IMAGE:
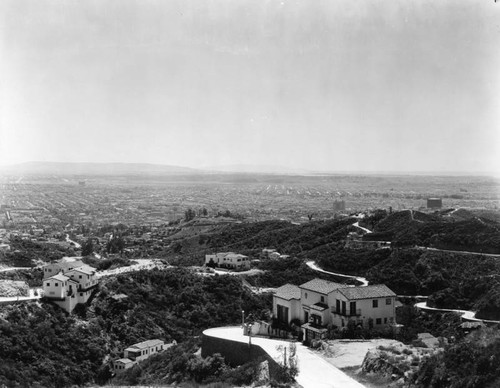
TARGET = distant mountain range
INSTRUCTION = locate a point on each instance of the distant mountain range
(86, 168)
(60, 168)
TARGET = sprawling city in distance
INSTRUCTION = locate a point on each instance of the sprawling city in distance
(250, 193)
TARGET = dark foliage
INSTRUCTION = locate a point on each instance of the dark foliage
(337, 258)
(409, 228)
(44, 347)
(24, 253)
(287, 238)
(473, 362)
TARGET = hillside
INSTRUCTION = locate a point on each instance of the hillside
(463, 231)
(41, 346)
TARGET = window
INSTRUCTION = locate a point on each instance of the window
(322, 299)
(337, 307)
(385, 320)
(374, 303)
(79, 276)
(378, 321)
(48, 284)
(56, 284)
(306, 295)
(352, 308)
(81, 294)
(282, 313)
(388, 301)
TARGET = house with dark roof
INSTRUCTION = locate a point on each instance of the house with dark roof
(320, 303)
(370, 306)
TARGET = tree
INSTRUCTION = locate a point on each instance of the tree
(115, 245)
(88, 247)
(189, 214)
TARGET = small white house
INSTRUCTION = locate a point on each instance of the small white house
(139, 352)
(143, 350)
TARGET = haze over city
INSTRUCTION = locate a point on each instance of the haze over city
(325, 86)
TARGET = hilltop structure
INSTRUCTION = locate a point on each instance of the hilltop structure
(434, 203)
(319, 303)
(68, 283)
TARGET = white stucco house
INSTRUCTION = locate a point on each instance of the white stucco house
(228, 260)
(139, 352)
(71, 285)
(319, 303)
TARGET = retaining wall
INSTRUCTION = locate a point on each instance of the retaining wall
(236, 353)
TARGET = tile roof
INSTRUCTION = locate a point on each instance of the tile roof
(60, 277)
(146, 344)
(67, 265)
(85, 269)
(234, 255)
(321, 286)
(287, 292)
(124, 360)
(368, 292)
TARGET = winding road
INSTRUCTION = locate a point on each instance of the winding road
(312, 265)
(464, 314)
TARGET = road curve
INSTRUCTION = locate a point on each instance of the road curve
(314, 371)
(312, 265)
(465, 314)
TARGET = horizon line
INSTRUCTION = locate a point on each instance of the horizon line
(277, 169)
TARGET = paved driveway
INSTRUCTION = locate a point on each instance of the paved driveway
(314, 371)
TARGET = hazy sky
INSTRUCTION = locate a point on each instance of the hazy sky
(390, 85)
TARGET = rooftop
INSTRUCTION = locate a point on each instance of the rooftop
(287, 292)
(321, 286)
(146, 344)
(85, 269)
(124, 360)
(368, 292)
(67, 265)
(60, 277)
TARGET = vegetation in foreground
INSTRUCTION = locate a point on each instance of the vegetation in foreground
(41, 346)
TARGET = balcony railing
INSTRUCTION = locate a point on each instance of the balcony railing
(347, 312)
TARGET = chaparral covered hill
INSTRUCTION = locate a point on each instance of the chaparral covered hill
(462, 230)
